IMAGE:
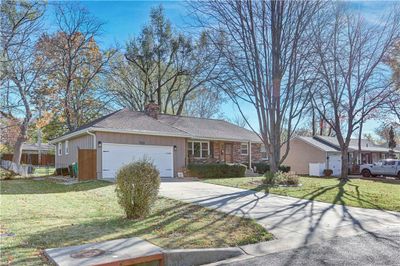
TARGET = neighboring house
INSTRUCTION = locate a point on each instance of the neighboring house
(170, 141)
(30, 154)
(325, 150)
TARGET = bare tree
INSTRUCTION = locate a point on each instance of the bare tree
(77, 64)
(393, 60)
(349, 79)
(203, 103)
(21, 21)
(239, 120)
(263, 46)
(125, 83)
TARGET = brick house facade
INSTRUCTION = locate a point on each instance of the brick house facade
(230, 152)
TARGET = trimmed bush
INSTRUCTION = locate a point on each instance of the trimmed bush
(284, 168)
(64, 171)
(281, 178)
(327, 172)
(137, 187)
(216, 170)
(71, 170)
(6, 174)
(262, 168)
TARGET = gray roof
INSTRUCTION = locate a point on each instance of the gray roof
(136, 121)
(35, 147)
(366, 145)
(386, 145)
(317, 144)
(209, 128)
(130, 121)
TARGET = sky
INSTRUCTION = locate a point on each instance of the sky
(125, 19)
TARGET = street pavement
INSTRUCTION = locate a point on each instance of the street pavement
(379, 248)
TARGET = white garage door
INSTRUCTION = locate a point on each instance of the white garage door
(335, 163)
(116, 155)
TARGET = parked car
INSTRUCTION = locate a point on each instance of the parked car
(388, 167)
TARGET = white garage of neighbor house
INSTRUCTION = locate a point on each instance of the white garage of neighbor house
(101, 147)
(311, 155)
(306, 151)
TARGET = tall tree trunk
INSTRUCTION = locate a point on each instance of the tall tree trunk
(314, 131)
(345, 165)
(275, 158)
(359, 142)
(20, 140)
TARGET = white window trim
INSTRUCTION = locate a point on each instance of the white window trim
(59, 149)
(201, 150)
(247, 149)
(66, 147)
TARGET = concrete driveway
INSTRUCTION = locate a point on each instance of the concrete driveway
(294, 222)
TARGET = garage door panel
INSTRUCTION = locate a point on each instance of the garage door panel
(335, 163)
(117, 155)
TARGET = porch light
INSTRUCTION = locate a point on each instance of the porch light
(175, 148)
(99, 144)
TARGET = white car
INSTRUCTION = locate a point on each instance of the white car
(388, 167)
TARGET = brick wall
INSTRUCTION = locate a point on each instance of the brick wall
(217, 155)
(256, 152)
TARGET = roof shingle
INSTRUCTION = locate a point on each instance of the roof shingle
(170, 125)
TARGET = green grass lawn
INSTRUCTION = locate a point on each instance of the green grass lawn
(44, 214)
(38, 172)
(357, 192)
(44, 171)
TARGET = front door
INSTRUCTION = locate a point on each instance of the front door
(228, 153)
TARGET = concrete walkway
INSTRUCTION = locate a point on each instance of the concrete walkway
(294, 222)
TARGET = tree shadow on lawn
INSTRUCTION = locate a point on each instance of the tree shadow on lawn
(182, 225)
(29, 186)
(379, 180)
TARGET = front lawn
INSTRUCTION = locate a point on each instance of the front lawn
(44, 171)
(44, 214)
(356, 193)
(39, 171)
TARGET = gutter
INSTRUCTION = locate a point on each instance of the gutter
(68, 136)
(94, 138)
(141, 132)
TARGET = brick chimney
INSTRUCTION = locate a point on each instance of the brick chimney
(152, 109)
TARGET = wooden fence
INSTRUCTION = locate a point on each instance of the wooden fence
(33, 159)
(86, 164)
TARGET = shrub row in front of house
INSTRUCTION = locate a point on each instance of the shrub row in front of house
(216, 170)
(262, 168)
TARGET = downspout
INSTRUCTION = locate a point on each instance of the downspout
(94, 138)
(250, 167)
(327, 161)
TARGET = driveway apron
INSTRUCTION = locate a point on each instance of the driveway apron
(294, 222)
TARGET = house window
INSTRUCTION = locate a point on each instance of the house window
(59, 149)
(264, 154)
(244, 148)
(199, 149)
(204, 149)
(66, 148)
